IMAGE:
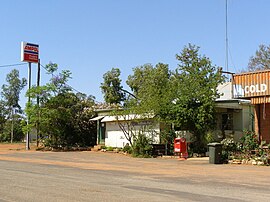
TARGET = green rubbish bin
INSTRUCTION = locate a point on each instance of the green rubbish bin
(215, 150)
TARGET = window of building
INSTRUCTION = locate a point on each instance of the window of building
(227, 121)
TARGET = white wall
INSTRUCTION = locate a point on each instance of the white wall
(114, 136)
(226, 90)
(241, 119)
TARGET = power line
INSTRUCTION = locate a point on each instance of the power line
(20, 64)
(13, 65)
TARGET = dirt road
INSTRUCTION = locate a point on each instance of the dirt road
(131, 178)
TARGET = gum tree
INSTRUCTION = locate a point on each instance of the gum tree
(63, 116)
(195, 89)
(11, 96)
(261, 59)
(152, 87)
(111, 87)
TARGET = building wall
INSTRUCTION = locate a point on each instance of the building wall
(114, 136)
(256, 87)
(241, 120)
(226, 91)
(264, 117)
(257, 119)
(248, 117)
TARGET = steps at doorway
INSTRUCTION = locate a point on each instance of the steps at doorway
(97, 147)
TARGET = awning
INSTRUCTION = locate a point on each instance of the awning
(128, 117)
(232, 103)
(97, 118)
(109, 119)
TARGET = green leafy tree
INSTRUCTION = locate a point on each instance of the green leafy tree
(111, 87)
(184, 97)
(152, 88)
(195, 81)
(11, 96)
(261, 59)
(85, 129)
(3, 115)
(63, 116)
(58, 83)
(66, 122)
(17, 129)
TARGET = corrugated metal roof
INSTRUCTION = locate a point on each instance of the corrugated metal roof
(126, 117)
(254, 72)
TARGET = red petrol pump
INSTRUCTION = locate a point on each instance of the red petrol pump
(180, 146)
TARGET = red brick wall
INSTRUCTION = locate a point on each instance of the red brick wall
(264, 122)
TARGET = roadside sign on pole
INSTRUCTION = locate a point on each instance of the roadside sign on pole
(29, 52)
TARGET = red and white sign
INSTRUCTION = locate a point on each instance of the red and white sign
(29, 52)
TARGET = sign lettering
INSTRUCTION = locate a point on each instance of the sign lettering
(29, 52)
(258, 88)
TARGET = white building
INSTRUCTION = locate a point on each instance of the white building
(120, 129)
(232, 117)
(114, 131)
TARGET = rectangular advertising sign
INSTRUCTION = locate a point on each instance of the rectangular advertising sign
(252, 84)
(29, 52)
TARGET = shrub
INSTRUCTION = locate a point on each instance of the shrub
(249, 141)
(228, 148)
(248, 148)
(167, 138)
(103, 147)
(209, 137)
(127, 149)
(142, 147)
(109, 149)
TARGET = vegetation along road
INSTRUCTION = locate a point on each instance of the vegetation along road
(97, 176)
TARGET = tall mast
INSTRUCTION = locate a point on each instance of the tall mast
(226, 35)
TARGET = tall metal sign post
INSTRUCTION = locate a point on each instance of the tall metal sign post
(30, 54)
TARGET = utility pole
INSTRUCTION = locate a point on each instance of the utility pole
(38, 122)
(29, 86)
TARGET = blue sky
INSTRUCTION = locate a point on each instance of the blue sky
(89, 37)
